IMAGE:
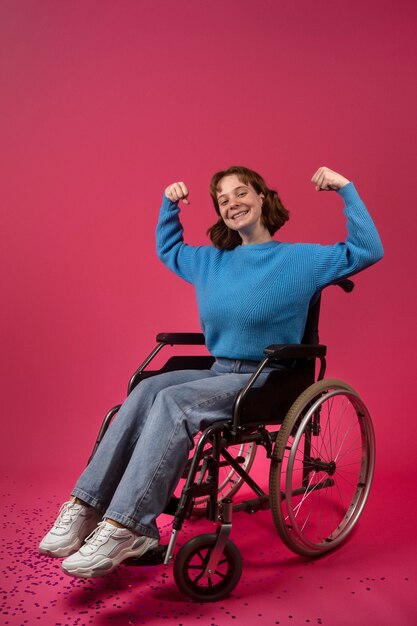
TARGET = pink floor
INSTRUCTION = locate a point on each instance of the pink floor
(370, 580)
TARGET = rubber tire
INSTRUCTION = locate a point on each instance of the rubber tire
(187, 585)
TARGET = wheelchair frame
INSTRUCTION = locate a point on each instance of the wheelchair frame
(322, 451)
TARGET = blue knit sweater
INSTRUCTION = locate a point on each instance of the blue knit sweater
(259, 294)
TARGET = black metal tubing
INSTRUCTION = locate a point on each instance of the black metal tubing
(190, 490)
(152, 355)
(239, 400)
(252, 505)
(166, 339)
(248, 480)
(104, 426)
(209, 488)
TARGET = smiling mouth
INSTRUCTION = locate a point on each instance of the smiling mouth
(240, 214)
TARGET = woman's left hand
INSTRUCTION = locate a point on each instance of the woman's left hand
(326, 179)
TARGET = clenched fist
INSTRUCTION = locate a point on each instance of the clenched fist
(326, 179)
(176, 192)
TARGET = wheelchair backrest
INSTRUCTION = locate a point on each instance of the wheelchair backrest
(311, 331)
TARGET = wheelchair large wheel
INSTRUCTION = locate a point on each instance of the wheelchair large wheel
(229, 480)
(191, 562)
(322, 468)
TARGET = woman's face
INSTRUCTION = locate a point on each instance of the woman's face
(241, 207)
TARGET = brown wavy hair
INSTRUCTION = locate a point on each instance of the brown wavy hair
(274, 214)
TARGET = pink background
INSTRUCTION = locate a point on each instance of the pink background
(103, 104)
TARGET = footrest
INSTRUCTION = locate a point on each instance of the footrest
(155, 556)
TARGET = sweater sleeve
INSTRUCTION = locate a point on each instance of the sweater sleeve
(361, 249)
(171, 249)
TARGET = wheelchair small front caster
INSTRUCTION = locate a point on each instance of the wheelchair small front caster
(190, 569)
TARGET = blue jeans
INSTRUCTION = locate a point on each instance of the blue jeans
(141, 458)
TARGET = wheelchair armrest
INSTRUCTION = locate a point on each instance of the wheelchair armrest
(181, 339)
(295, 351)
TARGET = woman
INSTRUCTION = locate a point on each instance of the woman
(252, 291)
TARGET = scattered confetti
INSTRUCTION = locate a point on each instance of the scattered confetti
(276, 587)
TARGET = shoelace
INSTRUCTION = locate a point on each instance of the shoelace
(99, 536)
(66, 514)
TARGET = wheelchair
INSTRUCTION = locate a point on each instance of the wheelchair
(317, 434)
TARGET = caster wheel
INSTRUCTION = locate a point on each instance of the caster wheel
(191, 562)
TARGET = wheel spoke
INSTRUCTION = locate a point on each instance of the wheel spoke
(199, 577)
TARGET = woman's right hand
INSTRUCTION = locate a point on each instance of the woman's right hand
(176, 192)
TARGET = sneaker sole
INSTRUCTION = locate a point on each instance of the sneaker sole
(61, 552)
(106, 565)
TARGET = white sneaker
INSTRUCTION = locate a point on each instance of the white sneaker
(105, 548)
(73, 524)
